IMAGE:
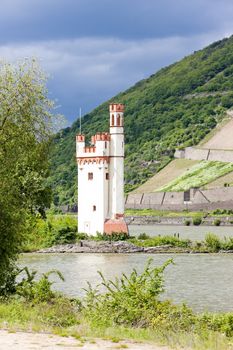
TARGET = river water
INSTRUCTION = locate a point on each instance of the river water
(203, 281)
(192, 232)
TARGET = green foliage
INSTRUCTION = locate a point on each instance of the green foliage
(212, 242)
(174, 108)
(56, 229)
(187, 222)
(198, 175)
(129, 300)
(218, 322)
(172, 241)
(143, 236)
(25, 131)
(56, 314)
(115, 236)
(37, 291)
(217, 222)
(197, 220)
(128, 307)
(222, 212)
(80, 236)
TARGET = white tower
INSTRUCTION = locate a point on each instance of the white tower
(101, 178)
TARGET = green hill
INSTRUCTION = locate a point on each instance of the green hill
(176, 107)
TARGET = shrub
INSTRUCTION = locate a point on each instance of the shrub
(81, 235)
(187, 222)
(115, 236)
(143, 236)
(197, 221)
(161, 241)
(129, 300)
(36, 291)
(228, 244)
(212, 242)
(217, 222)
(134, 301)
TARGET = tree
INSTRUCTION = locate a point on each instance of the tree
(25, 133)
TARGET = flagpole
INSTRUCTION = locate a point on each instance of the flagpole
(80, 119)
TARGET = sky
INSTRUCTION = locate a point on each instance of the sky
(93, 49)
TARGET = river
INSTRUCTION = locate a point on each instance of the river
(203, 281)
(192, 232)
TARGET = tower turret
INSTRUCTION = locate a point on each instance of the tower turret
(116, 171)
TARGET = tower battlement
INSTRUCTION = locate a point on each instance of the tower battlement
(116, 107)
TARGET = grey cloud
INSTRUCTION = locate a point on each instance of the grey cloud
(85, 72)
(22, 20)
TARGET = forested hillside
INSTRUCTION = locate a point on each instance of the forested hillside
(176, 107)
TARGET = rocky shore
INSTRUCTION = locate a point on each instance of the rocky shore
(88, 246)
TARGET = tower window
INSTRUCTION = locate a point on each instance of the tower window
(94, 207)
(112, 119)
(90, 176)
(105, 144)
(107, 176)
(118, 120)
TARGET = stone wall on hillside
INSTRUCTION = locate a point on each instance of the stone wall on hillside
(211, 199)
(194, 153)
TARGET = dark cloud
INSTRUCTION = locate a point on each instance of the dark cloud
(22, 20)
(94, 49)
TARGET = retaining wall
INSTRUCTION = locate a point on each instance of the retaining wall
(221, 198)
(194, 153)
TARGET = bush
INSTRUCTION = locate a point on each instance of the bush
(197, 221)
(228, 244)
(130, 300)
(217, 222)
(81, 235)
(143, 236)
(36, 291)
(115, 236)
(56, 229)
(161, 241)
(212, 242)
(187, 222)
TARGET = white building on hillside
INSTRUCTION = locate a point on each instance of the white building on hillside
(101, 178)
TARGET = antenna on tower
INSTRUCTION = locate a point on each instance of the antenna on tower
(80, 120)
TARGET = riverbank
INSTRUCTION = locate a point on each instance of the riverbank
(127, 313)
(149, 245)
(156, 217)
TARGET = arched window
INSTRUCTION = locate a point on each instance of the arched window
(118, 120)
(112, 120)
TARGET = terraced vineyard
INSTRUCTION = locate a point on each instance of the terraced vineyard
(198, 175)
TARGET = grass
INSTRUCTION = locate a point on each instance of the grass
(163, 213)
(225, 180)
(65, 317)
(169, 173)
(20, 316)
(161, 241)
(199, 175)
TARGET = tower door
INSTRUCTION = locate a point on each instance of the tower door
(87, 227)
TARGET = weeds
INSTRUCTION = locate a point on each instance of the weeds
(128, 307)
